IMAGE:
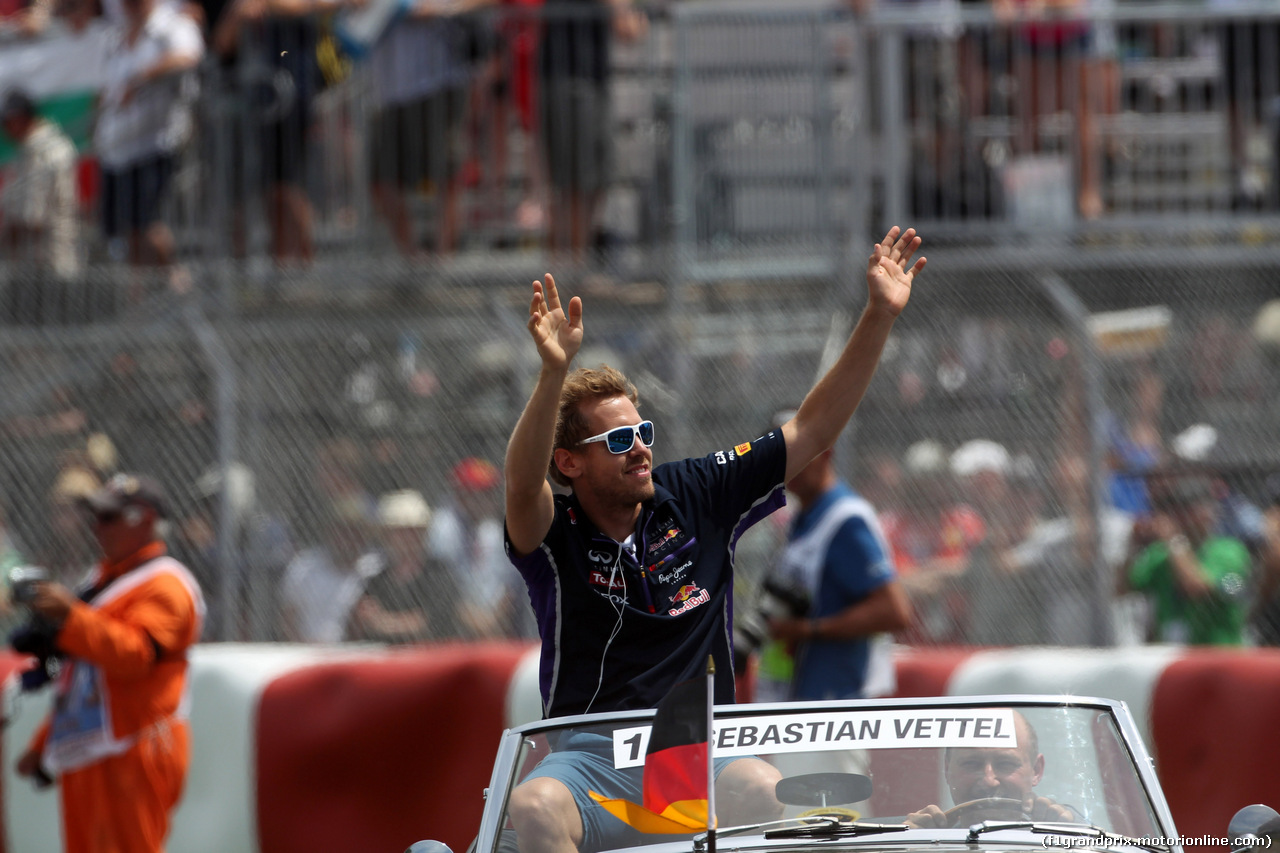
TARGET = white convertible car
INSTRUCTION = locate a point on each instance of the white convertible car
(970, 774)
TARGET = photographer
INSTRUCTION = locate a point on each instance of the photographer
(1197, 581)
(117, 740)
(836, 558)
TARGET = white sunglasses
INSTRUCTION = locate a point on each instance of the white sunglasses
(620, 439)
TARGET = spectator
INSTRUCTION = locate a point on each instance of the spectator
(576, 134)
(997, 604)
(420, 75)
(1136, 446)
(931, 541)
(1266, 609)
(260, 548)
(276, 40)
(338, 475)
(68, 549)
(117, 739)
(321, 584)
(26, 18)
(837, 559)
(143, 120)
(1247, 46)
(1069, 65)
(413, 598)
(466, 534)
(512, 84)
(1198, 448)
(39, 203)
(1055, 562)
(1197, 581)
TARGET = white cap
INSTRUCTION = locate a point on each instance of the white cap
(1266, 325)
(924, 457)
(974, 457)
(1195, 442)
(405, 508)
(238, 482)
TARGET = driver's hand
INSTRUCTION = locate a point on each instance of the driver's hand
(1043, 808)
(929, 817)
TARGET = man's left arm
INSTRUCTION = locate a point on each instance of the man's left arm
(831, 403)
(885, 609)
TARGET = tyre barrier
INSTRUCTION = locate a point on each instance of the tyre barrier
(351, 748)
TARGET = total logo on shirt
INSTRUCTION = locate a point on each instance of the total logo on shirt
(610, 580)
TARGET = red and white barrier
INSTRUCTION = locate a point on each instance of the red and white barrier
(303, 748)
(310, 748)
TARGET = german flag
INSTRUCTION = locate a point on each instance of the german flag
(677, 765)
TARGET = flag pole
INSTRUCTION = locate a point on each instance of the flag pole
(711, 766)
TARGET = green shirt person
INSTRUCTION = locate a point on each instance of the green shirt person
(1196, 581)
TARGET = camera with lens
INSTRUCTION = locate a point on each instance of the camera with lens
(778, 600)
(36, 637)
(23, 581)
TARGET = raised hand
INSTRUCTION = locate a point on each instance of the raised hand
(890, 271)
(557, 335)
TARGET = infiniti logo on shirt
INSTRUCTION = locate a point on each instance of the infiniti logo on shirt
(600, 557)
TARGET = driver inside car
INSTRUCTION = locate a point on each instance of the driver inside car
(994, 784)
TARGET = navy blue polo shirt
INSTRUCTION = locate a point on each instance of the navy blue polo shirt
(619, 630)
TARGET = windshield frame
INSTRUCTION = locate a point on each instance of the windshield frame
(511, 747)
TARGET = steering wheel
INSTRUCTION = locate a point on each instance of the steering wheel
(985, 808)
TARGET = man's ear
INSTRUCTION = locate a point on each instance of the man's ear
(1037, 770)
(568, 462)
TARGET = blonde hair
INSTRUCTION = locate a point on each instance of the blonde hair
(582, 386)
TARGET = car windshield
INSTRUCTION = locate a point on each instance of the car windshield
(864, 762)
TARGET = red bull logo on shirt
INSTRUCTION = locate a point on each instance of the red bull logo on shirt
(667, 537)
(687, 598)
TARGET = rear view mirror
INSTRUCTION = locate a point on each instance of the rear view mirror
(1253, 827)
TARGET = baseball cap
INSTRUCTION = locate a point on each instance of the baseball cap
(403, 508)
(924, 457)
(124, 490)
(1195, 443)
(474, 474)
(16, 103)
(979, 455)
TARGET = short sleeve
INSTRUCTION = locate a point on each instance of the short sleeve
(729, 483)
(856, 560)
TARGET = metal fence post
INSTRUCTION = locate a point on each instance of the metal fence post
(893, 124)
(225, 394)
(1074, 316)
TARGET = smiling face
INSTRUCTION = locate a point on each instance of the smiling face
(615, 480)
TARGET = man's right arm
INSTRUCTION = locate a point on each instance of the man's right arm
(530, 504)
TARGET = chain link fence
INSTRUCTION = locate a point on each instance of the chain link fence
(1015, 419)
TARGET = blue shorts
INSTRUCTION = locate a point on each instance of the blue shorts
(584, 762)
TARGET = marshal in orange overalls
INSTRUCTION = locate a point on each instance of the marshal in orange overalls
(118, 736)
